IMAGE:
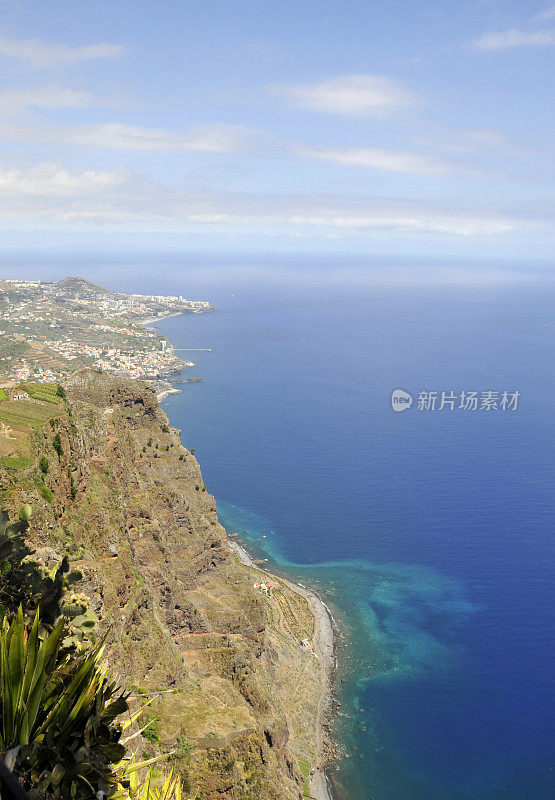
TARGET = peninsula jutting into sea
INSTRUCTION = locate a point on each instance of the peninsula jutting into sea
(233, 662)
(50, 329)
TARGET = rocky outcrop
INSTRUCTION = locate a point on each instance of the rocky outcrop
(240, 686)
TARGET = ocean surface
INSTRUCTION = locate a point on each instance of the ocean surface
(429, 533)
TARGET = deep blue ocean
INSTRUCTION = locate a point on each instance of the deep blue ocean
(429, 533)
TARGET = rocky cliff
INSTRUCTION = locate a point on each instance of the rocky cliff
(238, 686)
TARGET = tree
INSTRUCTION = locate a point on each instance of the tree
(57, 445)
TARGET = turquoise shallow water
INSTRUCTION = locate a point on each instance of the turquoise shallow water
(429, 535)
(383, 640)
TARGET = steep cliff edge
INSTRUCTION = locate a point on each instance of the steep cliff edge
(126, 502)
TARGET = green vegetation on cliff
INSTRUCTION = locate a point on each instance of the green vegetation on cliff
(60, 714)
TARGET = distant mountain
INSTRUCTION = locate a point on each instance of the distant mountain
(75, 286)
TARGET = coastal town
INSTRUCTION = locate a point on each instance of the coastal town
(50, 329)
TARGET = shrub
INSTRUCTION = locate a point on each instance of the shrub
(26, 582)
(47, 493)
(57, 445)
(44, 465)
(151, 734)
(184, 748)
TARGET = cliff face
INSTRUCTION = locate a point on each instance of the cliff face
(180, 611)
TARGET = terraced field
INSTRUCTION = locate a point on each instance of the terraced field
(17, 462)
(41, 391)
(26, 413)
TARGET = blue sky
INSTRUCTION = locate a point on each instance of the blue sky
(344, 127)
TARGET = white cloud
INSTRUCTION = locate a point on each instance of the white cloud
(44, 54)
(481, 145)
(202, 139)
(415, 222)
(377, 158)
(46, 97)
(483, 138)
(501, 40)
(549, 13)
(52, 180)
(222, 138)
(53, 195)
(206, 139)
(351, 95)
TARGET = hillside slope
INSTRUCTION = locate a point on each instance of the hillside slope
(127, 503)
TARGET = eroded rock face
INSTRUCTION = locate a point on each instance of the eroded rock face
(131, 510)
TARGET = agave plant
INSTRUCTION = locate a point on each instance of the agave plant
(57, 713)
(137, 782)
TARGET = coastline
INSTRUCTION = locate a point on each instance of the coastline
(148, 322)
(324, 646)
(151, 320)
(166, 392)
